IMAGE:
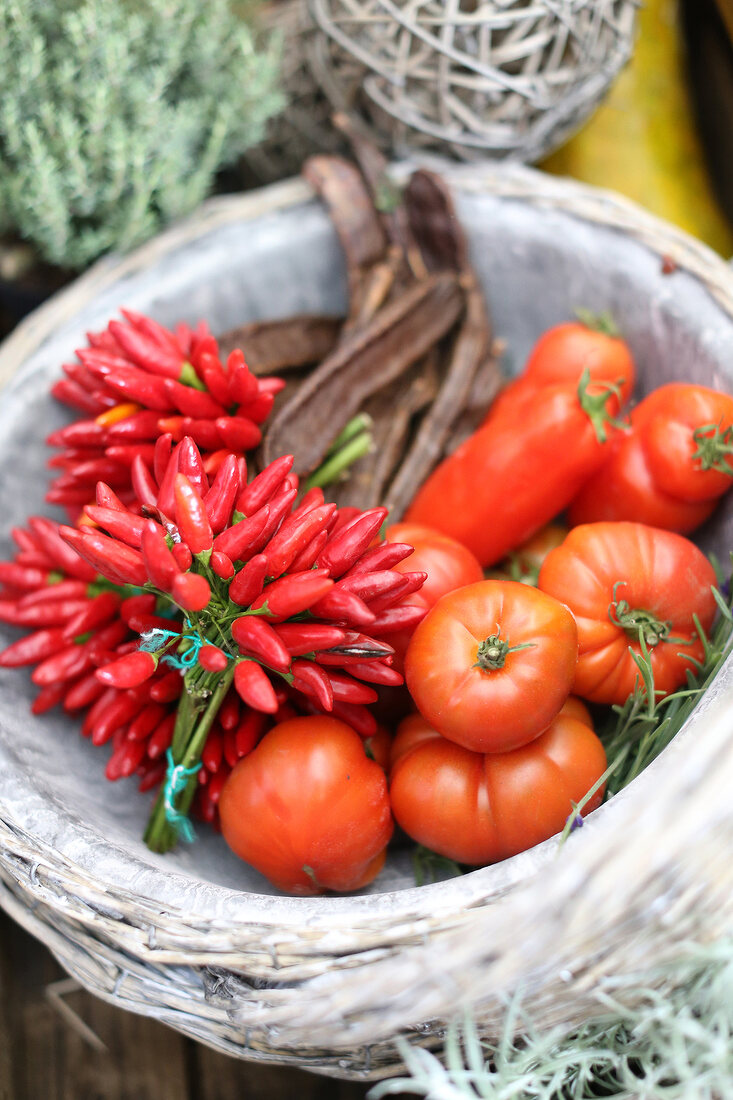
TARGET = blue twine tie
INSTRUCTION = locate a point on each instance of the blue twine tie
(156, 638)
(176, 780)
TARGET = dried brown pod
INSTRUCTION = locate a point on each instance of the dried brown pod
(275, 347)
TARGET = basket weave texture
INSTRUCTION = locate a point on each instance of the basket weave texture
(326, 983)
(505, 78)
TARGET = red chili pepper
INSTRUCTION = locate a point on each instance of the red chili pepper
(168, 688)
(99, 710)
(40, 615)
(192, 402)
(257, 639)
(308, 556)
(141, 624)
(294, 593)
(191, 464)
(343, 607)
(161, 737)
(124, 526)
(347, 690)
(376, 672)
(254, 687)
(65, 664)
(94, 470)
(402, 617)
(125, 760)
(145, 488)
(161, 566)
(71, 393)
(191, 591)
(370, 586)
(140, 427)
(212, 658)
(216, 785)
(145, 389)
(155, 332)
(238, 432)
(146, 353)
(219, 501)
(97, 613)
(82, 433)
(64, 557)
(312, 680)
(214, 379)
(212, 751)
(279, 506)
(229, 711)
(162, 456)
(113, 559)
(242, 383)
(143, 604)
(191, 519)
(145, 722)
(221, 565)
(300, 638)
(411, 582)
(264, 485)
(151, 777)
(213, 461)
(230, 748)
(238, 540)
(83, 693)
(296, 532)
(182, 555)
(48, 697)
(107, 639)
(347, 545)
(249, 731)
(126, 453)
(33, 648)
(69, 498)
(203, 432)
(166, 493)
(21, 576)
(259, 408)
(107, 498)
(129, 671)
(358, 717)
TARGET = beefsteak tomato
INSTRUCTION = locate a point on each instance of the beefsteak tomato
(308, 808)
(479, 808)
(622, 582)
(492, 663)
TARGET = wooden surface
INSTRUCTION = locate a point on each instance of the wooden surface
(43, 1056)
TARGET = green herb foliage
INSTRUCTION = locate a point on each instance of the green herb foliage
(665, 1034)
(116, 115)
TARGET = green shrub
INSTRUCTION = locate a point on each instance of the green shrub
(115, 115)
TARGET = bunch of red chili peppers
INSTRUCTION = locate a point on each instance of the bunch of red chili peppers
(190, 608)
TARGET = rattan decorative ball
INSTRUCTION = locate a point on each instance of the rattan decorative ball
(506, 78)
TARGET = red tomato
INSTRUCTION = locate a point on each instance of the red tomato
(622, 580)
(574, 707)
(660, 473)
(517, 472)
(378, 746)
(492, 663)
(562, 354)
(308, 808)
(447, 563)
(479, 808)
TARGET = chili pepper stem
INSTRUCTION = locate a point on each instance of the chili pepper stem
(337, 464)
(188, 742)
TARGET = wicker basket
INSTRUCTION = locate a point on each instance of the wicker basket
(197, 940)
(506, 78)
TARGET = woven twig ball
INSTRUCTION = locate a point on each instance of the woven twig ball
(507, 78)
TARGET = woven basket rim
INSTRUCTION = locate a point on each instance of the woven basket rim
(443, 899)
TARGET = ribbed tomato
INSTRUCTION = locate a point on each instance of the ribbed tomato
(492, 663)
(624, 581)
(480, 808)
(308, 808)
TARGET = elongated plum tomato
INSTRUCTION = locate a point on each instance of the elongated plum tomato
(447, 563)
(622, 582)
(308, 808)
(479, 808)
(492, 663)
